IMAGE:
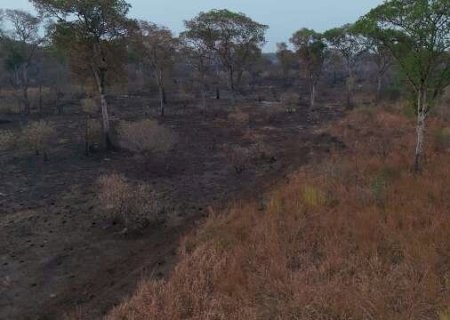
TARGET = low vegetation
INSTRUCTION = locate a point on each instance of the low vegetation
(8, 140)
(133, 205)
(37, 137)
(146, 137)
(357, 236)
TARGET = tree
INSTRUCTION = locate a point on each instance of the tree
(199, 57)
(234, 39)
(417, 33)
(22, 45)
(383, 61)
(311, 51)
(350, 45)
(93, 34)
(286, 58)
(157, 48)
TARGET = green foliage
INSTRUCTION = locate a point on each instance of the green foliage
(232, 38)
(417, 33)
(350, 44)
(91, 34)
(311, 51)
(286, 57)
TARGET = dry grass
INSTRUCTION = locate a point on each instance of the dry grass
(8, 140)
(239, 118)
(38, 136)
(146, 137)
(355, 237)
(290, 101)
(89, 105)
(239, 157)
(134, 205)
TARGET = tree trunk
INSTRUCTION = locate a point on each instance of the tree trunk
(161, 100)
(159, 79)
(379, 86)
(312, 92)
(231, 80)
(421, 117)
(350, 86)
(40, 99)
(217, 81)
(164, 95)
(203, 97)
(86, 137)
(26, 100)
(100, 79)
(106, 125)
(217, 93)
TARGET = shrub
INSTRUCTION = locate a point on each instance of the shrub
(38, 137)
(186, 99)
(239, 118)
(134, 205)
(8, 140)
(313, 197)
(146, 137)
(89, 105)
(441, 139)
(10, 105)
(290, 101)
(93, 134)
(238, 156)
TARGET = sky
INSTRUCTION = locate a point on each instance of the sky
(284, 17)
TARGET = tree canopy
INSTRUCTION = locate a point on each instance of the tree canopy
(417, 33)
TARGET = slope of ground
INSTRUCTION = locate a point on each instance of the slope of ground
(355, 236)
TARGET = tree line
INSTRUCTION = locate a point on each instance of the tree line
(96, 40)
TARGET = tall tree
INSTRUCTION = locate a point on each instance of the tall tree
(233, 37)
(286, 58)
(93, 34)
(311, 51)
(351, 46)
(199, 58)
(417, 33)
(383, 60)
(157, 48)
(22, 45)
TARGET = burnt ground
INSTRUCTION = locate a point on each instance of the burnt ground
(59, 254)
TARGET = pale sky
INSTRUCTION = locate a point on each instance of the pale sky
(284, 17)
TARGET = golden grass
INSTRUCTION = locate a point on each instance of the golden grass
(358, 236)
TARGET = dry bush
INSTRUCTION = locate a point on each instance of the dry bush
(10, 105)
(305, 257)
(186, 99)
(238, 156)
(242, 158)
(8, 140)
(290, 101)
(441, 139)
(146, 137)
(134, 205)
(89, 105)
(92, 135)
(239, 118)
(38, 136)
